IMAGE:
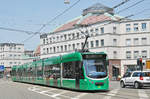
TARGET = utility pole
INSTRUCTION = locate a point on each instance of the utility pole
(85, 34)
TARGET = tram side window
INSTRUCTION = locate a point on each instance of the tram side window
(69, 70)
(47, 71)
(29, 71)
(13, 73)
(56, 71)
(52, 71)
(34, 72)
(39, 71)
(19, 72)
(24, 72)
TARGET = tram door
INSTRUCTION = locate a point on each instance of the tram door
(55, 80)
(77, 74)
(56, 74)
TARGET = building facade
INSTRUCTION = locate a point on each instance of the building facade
(13, 54)
(122, 39)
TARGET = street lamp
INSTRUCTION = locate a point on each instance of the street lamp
(86, 34)
(67, 1)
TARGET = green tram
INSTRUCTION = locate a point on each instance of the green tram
(79, 71)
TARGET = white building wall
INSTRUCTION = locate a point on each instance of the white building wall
(119, 49)
(11, 54)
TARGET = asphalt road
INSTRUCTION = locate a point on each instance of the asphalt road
(15, 90)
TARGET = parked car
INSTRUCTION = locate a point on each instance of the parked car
(137, 79)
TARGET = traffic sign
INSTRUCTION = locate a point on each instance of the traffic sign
(2, 67)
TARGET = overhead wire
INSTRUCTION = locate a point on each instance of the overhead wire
(52, 20)
(130, 6)
(116, 6)
(48, 23)
(17, 30)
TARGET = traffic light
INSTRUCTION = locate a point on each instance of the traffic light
(139, 63)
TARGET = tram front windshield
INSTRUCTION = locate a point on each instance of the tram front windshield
(95, 67)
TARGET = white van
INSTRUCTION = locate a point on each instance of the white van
(137, 79)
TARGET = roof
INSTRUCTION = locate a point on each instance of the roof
(95, 14)
(37, 51)
(97, 8)
(88, 19)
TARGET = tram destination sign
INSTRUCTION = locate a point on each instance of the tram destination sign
(90, 56)
(2, 67)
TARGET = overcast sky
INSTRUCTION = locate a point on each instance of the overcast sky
(29, 15)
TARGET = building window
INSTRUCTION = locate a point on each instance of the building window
(69, 47)
(82, 45)
(57, 48)
(43, 50)
(47, 50)
(50, 40)
(61, 38)
(57, 38)
(143, 26)
(50, 50)
(91, 30)
(136, 54)
(47, 41)
(10, 62)
(114, 30)
(102, 42)
(144, 41)
(136, 41)
(77, 35)
(43, 41)
(114, 42)
(127, 24)
(136, 27)
(144, 54)
(96, 30)
(69, 36)
(73, 46)
(128, 54)
(53, 39)
(128, 42)
(65, 47)
(65, 37)
(115, 54)
(102, 30)
(97, 43)
(92, 44)
(54, 49)
(78, 45)
(61, 48)
(128, 29)
(73, 36)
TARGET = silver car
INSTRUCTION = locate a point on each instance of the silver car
(137, 79)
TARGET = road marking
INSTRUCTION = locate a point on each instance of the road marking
(142, 94)
(55, 95)
(79, 96)
(45, 92)
(111, 93)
